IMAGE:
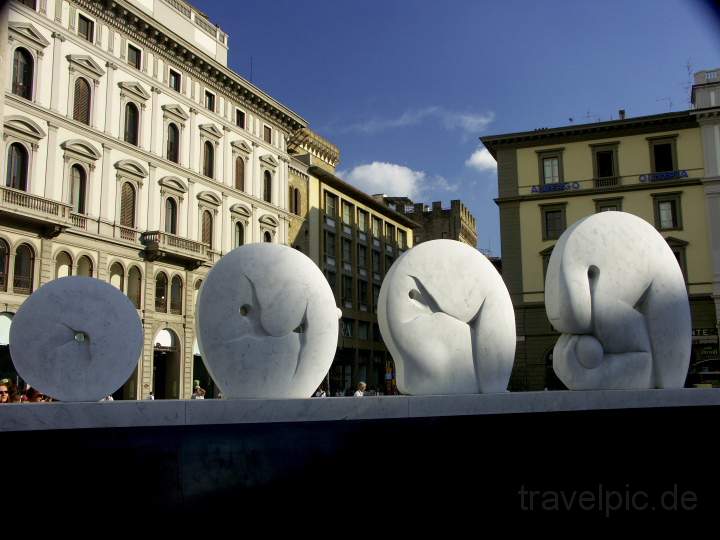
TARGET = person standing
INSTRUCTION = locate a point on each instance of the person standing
(360, 392)
(8, 393)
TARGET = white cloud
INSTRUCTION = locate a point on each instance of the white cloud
(388, 178)
(482, 160)
(469, 123)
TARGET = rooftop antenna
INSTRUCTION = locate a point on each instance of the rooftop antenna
(690, 80)
(669, 100)
(251, 69)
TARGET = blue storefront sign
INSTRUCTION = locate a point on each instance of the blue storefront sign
(669, 175)
(560, 186)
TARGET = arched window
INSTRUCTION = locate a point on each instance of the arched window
(81, 106)
(170, 216)
(267, 187)
(173, 143)
(4, 262)
(117, 276)
(78, 183)
(296, 201)
(207, 228)
(63, 265)
(208, 159)
(17, 171)
(267, 237)
(161, 285)
(132, 123)
(22, 80)
(24, 269)
(239, 234)
(176, 291)
(134, 286)
(239, 174)
(85, 266)
(127, 205)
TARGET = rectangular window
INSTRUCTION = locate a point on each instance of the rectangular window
(347, 290)
(605, 163)
(663, 157)
(376, 295)
(330, 244)
(388, 263)
(551, 171)
(174, 80)
(668, 211)
(606, 205)
(330, 204)
(134, 56)
(363, 330)
(210, 101)
(362, 220)
(267, 134)
(347, 213)
(362, 256)
(332, 279)
(347, 251)
(362, 292)
(239, 118)
(402, 239)
(86, 28)
(376, 261)
(346, 327)
(376, 227)
(390, 233)
(553, 221)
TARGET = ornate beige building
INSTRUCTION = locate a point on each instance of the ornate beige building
(131, 153)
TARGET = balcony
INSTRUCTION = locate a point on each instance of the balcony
(127, 234)
(52, 217)
(607, 182)
(162, 245)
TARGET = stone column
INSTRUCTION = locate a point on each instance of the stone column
(228, 165)
(107, 210)
(52, 146)
(192, 159)
(155, 136)
(224, 225)
(191, 230)
(109, 102)
(254, 172)
(153, 205)
(57, 65)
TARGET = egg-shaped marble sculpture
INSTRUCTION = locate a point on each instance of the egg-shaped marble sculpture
(266, 323)
(446, 317)
(76, 339)
(615, 291)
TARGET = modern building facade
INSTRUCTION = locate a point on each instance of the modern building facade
(131, 153)
(652, 166)
(354, 239)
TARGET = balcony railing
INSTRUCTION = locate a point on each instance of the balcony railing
(34, 208)
(160, 244)
(22, 284)
(610, 181)
(79, 221)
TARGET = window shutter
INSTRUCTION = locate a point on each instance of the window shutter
(127, 206)
(240, 174)
(207, 228)
(131, 124)
(81, 107)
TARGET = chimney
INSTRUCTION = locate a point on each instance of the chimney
(621, 114)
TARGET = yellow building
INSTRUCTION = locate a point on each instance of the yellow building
(354, 239)
(650, 166)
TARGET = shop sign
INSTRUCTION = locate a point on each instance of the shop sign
(669, 175)
(560, 186)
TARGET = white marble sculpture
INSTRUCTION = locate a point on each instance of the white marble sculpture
(266, 323)
(617, 294)
(446, 317)
(76, 339)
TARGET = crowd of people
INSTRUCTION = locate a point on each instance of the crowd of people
(9, 393)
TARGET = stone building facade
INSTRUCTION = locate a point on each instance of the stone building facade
(131, 153)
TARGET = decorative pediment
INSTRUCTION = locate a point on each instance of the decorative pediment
(86, 65)
(81, 149)
(209, 197)
(212, 130)
(176, 111)
(241, 210)
(134, 90)
(269, 220)
(241, 146)
(676, 242)
(174, 183)
(27, 34)
(269, 161)
(23, 126)
(132, 168)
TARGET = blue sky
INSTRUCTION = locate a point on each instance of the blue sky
(405, 88)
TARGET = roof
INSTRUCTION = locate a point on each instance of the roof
(360, 196)
(597, 130)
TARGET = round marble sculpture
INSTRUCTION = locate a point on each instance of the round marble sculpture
(76, 339)
(446, 317)
(617, 294)
(266, 323)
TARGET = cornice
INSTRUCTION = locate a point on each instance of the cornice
(125, 17)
